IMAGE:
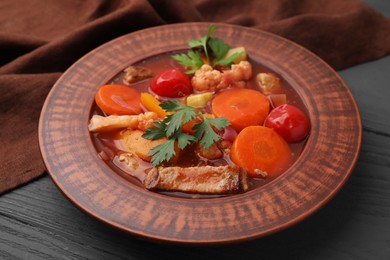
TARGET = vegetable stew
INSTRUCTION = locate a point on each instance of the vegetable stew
(207, 122)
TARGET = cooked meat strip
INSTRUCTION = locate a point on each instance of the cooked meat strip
(114, 122)
(225, 179)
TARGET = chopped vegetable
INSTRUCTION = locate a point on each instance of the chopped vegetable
(199, 100)
(288, 121)
(261, 148)
(118, 100)
(140, 146)
(229, 134)
(269, 83)
(188, 128)
(242, 55)
(171, 83)
(277, 99)
(152, 104)
(171, 128)
(242, 107)
(215, 50)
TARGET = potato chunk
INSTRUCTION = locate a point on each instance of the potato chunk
(269, 83)
(140, 146)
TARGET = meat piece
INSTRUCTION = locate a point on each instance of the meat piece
(115, 122)
(128, 161)
(212, 153)
(111, 123)
(137, 73)
(227, 179)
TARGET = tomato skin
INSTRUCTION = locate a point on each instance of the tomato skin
(171, 83)
(289, 122)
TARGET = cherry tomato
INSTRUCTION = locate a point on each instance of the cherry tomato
(171, 83)
(289, 122)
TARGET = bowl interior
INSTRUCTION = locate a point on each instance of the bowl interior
(323, 167)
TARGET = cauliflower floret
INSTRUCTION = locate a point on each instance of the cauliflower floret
(209, 79)
(206, 79)
(146, 120)
(241, 71)
(237, 75)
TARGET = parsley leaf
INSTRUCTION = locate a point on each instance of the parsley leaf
(218, 47)
(191, 60)
(202, 42)
(183, 115)
(206, 134)
(229, 60)
(185, 139)
(162, 152)
(155, 133)
(171, 128)
(215, 50)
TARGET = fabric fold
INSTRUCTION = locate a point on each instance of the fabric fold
(39, 40)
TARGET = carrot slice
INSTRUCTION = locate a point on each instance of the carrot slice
(260, 148)
(242, 107)
(118, 100)
(152, 104)
(187, 128)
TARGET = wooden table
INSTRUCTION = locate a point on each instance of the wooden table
(38, 222)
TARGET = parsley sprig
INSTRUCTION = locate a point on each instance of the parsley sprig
(171, 128)
(215, 46)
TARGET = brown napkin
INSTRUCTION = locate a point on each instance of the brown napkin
(40, 39)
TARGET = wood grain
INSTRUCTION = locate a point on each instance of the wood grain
(324, 166)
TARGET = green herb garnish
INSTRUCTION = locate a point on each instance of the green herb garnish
(171, 128)
(215, 46)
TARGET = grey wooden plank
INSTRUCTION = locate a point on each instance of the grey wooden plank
(369, 84)
(38, 220)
